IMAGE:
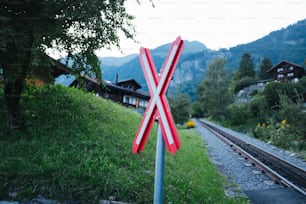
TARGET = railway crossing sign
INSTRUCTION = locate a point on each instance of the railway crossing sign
(158, 107)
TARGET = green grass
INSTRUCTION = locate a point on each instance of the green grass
(78, 146)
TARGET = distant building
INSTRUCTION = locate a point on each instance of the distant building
(47, 72)
(281, 72)
(124, 92)
(286, 71)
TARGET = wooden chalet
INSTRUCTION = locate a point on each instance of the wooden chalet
(286, 71)
(124, 92)
(48, 72)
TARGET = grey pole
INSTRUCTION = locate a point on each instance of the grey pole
(159, 168)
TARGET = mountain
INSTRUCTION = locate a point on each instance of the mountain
(285, 44)
(116, 61)
(132, 68)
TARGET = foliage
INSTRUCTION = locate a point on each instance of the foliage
(190, 124)
(196, 111)
(302, 83)
(294, 113)
(238, 114)
(74, 27)
(180, 107)
(243, 82)
(278, 133)
(246, 68)
(212, 92)
(258, 107)
(264, 66)
(244, 76)
(78, 147)
(70, 26)
(271, 92)
(287, 127)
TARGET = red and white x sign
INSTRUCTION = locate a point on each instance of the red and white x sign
(158, 107)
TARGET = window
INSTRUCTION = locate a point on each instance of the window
(291, 67)
(280, 69)
(280, 75)
(105, 95)
(290, 74)
(126, 99)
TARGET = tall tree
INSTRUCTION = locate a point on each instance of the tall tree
(246, 68)
(76, 27)
(180, 106)
(212, 92)
(265, 65)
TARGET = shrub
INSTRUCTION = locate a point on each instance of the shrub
(272, 92)
(190, 124)
(278, 133)
(243, 82)
(238, 114)
(196, 110)
(258, 107)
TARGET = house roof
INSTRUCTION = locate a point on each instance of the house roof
(284, 62)
(117, 87)
(129, 81)
(56, 67)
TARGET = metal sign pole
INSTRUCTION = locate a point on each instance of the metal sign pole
(159, 168)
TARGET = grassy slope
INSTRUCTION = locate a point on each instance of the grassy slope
(78, 146)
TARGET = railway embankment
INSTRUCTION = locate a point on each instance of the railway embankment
(244, 175)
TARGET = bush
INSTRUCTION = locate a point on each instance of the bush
(238, 114)
(196, 110)
(244, 82)
(180, 107)
(273, 89)
(293, 112)
(278, 133)
(190, 124)
(258, 107)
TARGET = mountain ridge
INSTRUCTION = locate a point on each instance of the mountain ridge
(288, 43)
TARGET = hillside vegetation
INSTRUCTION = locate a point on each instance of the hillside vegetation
(78, 147)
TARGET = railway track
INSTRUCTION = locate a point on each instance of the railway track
(280, 171)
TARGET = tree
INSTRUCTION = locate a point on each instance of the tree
(212, 92)
(196, 110)
(264, 67)
(243, 82)
(180, 107)
(273, 90)
(246, 67)
(244, 76)
(29, 27)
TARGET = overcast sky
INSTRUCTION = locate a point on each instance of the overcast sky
(215, 23)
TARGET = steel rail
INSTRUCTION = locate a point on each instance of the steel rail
(279, 170)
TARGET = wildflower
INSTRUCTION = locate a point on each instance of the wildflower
(284, 122)
(190, 124)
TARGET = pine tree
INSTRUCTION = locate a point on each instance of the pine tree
(246, 67)
(264, 67)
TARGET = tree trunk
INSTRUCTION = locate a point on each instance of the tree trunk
(15, 70)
